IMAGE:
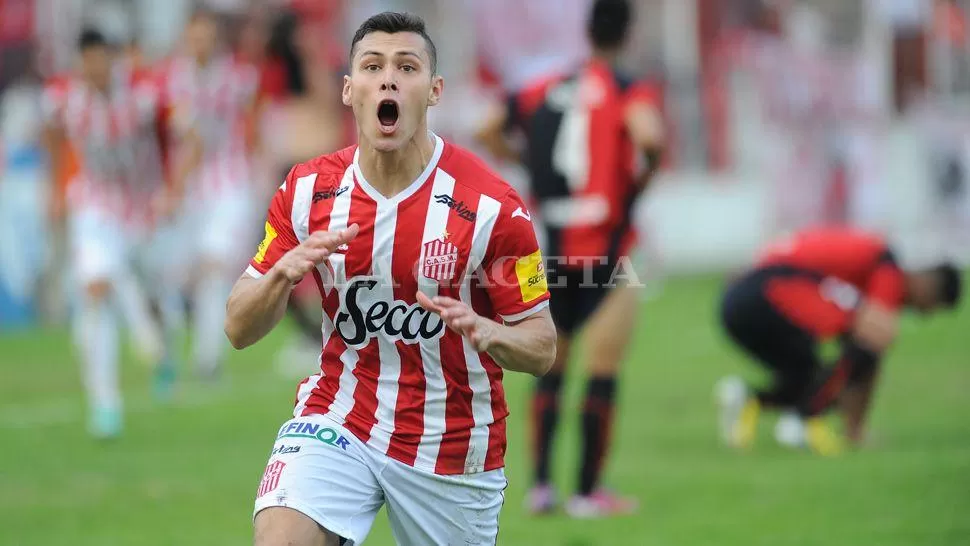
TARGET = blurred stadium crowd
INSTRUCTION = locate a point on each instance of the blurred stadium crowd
(806, 98)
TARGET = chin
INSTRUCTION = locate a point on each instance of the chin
(384, 144)
(390, 143)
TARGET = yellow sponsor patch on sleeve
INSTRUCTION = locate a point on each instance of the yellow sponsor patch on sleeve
(532, 276)
(264, 246)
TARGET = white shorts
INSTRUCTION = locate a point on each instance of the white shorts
(320, 469)
(101, 246)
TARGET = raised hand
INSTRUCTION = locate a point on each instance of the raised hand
(299, 261)
(461, 318)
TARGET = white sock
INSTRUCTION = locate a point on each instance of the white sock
(98, 340)
(134, 306)
(211, 293)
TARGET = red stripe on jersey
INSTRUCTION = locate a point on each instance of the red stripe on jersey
(323, 395)
(296, 397)
(605, 177)
(358, 261)
(409, 407)
(459, 419)
(495, 458)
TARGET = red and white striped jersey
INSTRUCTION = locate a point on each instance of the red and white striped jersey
(215, 100)
(390, 372)
(115, 139)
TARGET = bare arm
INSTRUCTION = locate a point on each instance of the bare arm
(856, 401)
(857, 397)
(256, 306)
(527, 346)
(646, 129)
(189, 163)
(55, 141)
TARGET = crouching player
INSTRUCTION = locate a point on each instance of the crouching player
(820, 285)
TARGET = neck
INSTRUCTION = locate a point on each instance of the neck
(202, 60)
(608, 56)
(101, 87)
(391, 172)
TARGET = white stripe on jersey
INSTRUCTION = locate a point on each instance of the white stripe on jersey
(302, 198)
(339, 216)
(488, 211)
(303, 393)
(435, 389)
(385, 227)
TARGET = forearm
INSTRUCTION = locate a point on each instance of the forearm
(255, 307)
(524, 348)
(186, 165)
(857, 398)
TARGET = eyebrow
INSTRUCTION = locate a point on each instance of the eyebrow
(405, 53)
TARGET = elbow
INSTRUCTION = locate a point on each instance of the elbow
(236, 336)
(548, 358)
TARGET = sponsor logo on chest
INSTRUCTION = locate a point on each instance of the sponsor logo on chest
(365, 315)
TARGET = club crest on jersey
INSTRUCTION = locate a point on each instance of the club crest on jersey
(364, 315)
(271, 478)
(439, 259)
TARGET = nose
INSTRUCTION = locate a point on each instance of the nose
(389, 84)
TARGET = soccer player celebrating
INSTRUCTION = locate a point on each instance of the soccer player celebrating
(212, 96)
(432, 285)
(107, 117)
(586, 133)
(819, 285)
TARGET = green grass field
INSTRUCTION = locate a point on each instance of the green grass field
(185, 473)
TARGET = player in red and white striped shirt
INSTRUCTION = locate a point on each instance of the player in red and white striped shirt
(107, 116)
(213, 94)
(432, 285)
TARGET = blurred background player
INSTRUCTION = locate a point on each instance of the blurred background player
(107, 117)
(303, 117)
(213, 95)
(819, 285)
(588, 134)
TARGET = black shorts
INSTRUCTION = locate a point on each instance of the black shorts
(787, 351)
(575, 294)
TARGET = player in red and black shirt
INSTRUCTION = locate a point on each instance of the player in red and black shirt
(593, 139)
(819, 285)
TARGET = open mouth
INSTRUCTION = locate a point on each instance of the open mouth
(387, 114)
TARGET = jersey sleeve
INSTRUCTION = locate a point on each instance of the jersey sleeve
(513, 266)
(643, 93)
(887, 283)
(279, 237)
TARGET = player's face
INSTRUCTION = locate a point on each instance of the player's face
(203, 36)
(390, 88)
(923, 290)
(96, 65)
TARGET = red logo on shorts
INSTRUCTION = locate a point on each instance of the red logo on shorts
(440, 259)
(271, 477)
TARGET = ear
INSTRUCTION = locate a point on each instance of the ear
(437, 87)
(345, 95)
